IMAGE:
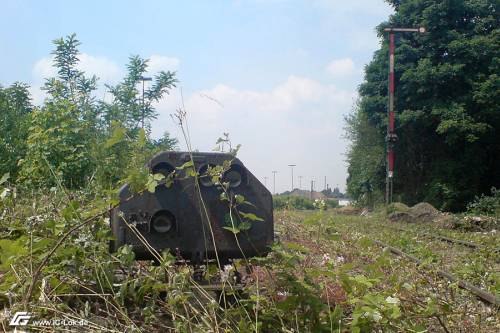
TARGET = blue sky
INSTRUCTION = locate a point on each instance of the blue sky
(283, 73)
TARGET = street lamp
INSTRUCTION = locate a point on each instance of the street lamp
(143, 79)
(391, 137)
(291, 166)
(274, 181)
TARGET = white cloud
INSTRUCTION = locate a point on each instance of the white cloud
(341, 67)
(298, 121)
(105, 69)
(43, 68)
(159, 63)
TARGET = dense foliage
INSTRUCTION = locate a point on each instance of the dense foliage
(15, 112)
(293, 202)
(74, 137)
(447, 116)
(324, 276)
(486, 204)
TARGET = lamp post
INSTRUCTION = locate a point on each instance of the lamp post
(291, 166)
(143, 79)
(391, 137)
(274, 181)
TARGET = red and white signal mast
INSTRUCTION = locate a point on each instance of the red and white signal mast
(391, 137)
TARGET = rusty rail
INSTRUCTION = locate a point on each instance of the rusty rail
(444, 238)
(482, 294)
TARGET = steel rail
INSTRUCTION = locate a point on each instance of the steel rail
(462, 242)
(482, 294)
(443, 238)
(440, 237)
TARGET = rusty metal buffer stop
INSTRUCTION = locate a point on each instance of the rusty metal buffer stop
(190, 226)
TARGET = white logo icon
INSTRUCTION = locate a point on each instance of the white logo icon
(20, 319)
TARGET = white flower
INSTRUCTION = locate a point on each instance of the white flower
(36, 219)
(392, 300)
(376, 316)
(5, 193)
(326, 259)
(224, 274)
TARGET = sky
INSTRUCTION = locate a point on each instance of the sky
(279, 76)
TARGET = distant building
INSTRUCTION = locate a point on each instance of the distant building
(306, 194)
(344, 202)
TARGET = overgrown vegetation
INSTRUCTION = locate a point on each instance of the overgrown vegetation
(73, 136)
(324, 276)
(63, 161)
(447, 117)
(301, 203)
(486, 204)
(292, 202)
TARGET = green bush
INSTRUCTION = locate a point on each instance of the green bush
(293, 202)
(486, 205)
(332, 203)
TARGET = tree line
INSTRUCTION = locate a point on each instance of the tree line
(447, 114)
(73, 139)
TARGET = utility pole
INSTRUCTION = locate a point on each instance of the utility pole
(391, 137)
(300, 182)
(143, 79)
(274, 181)
(291, 166)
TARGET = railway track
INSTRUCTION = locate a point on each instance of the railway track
(468, 244)
(438, 237)
(482, 294)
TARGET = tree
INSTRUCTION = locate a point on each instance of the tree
(166, 142)
(58, 147)
(446, 101)
(62, 131)
(129, 106)
(122, 120)
(15, 109)
(73, 138)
